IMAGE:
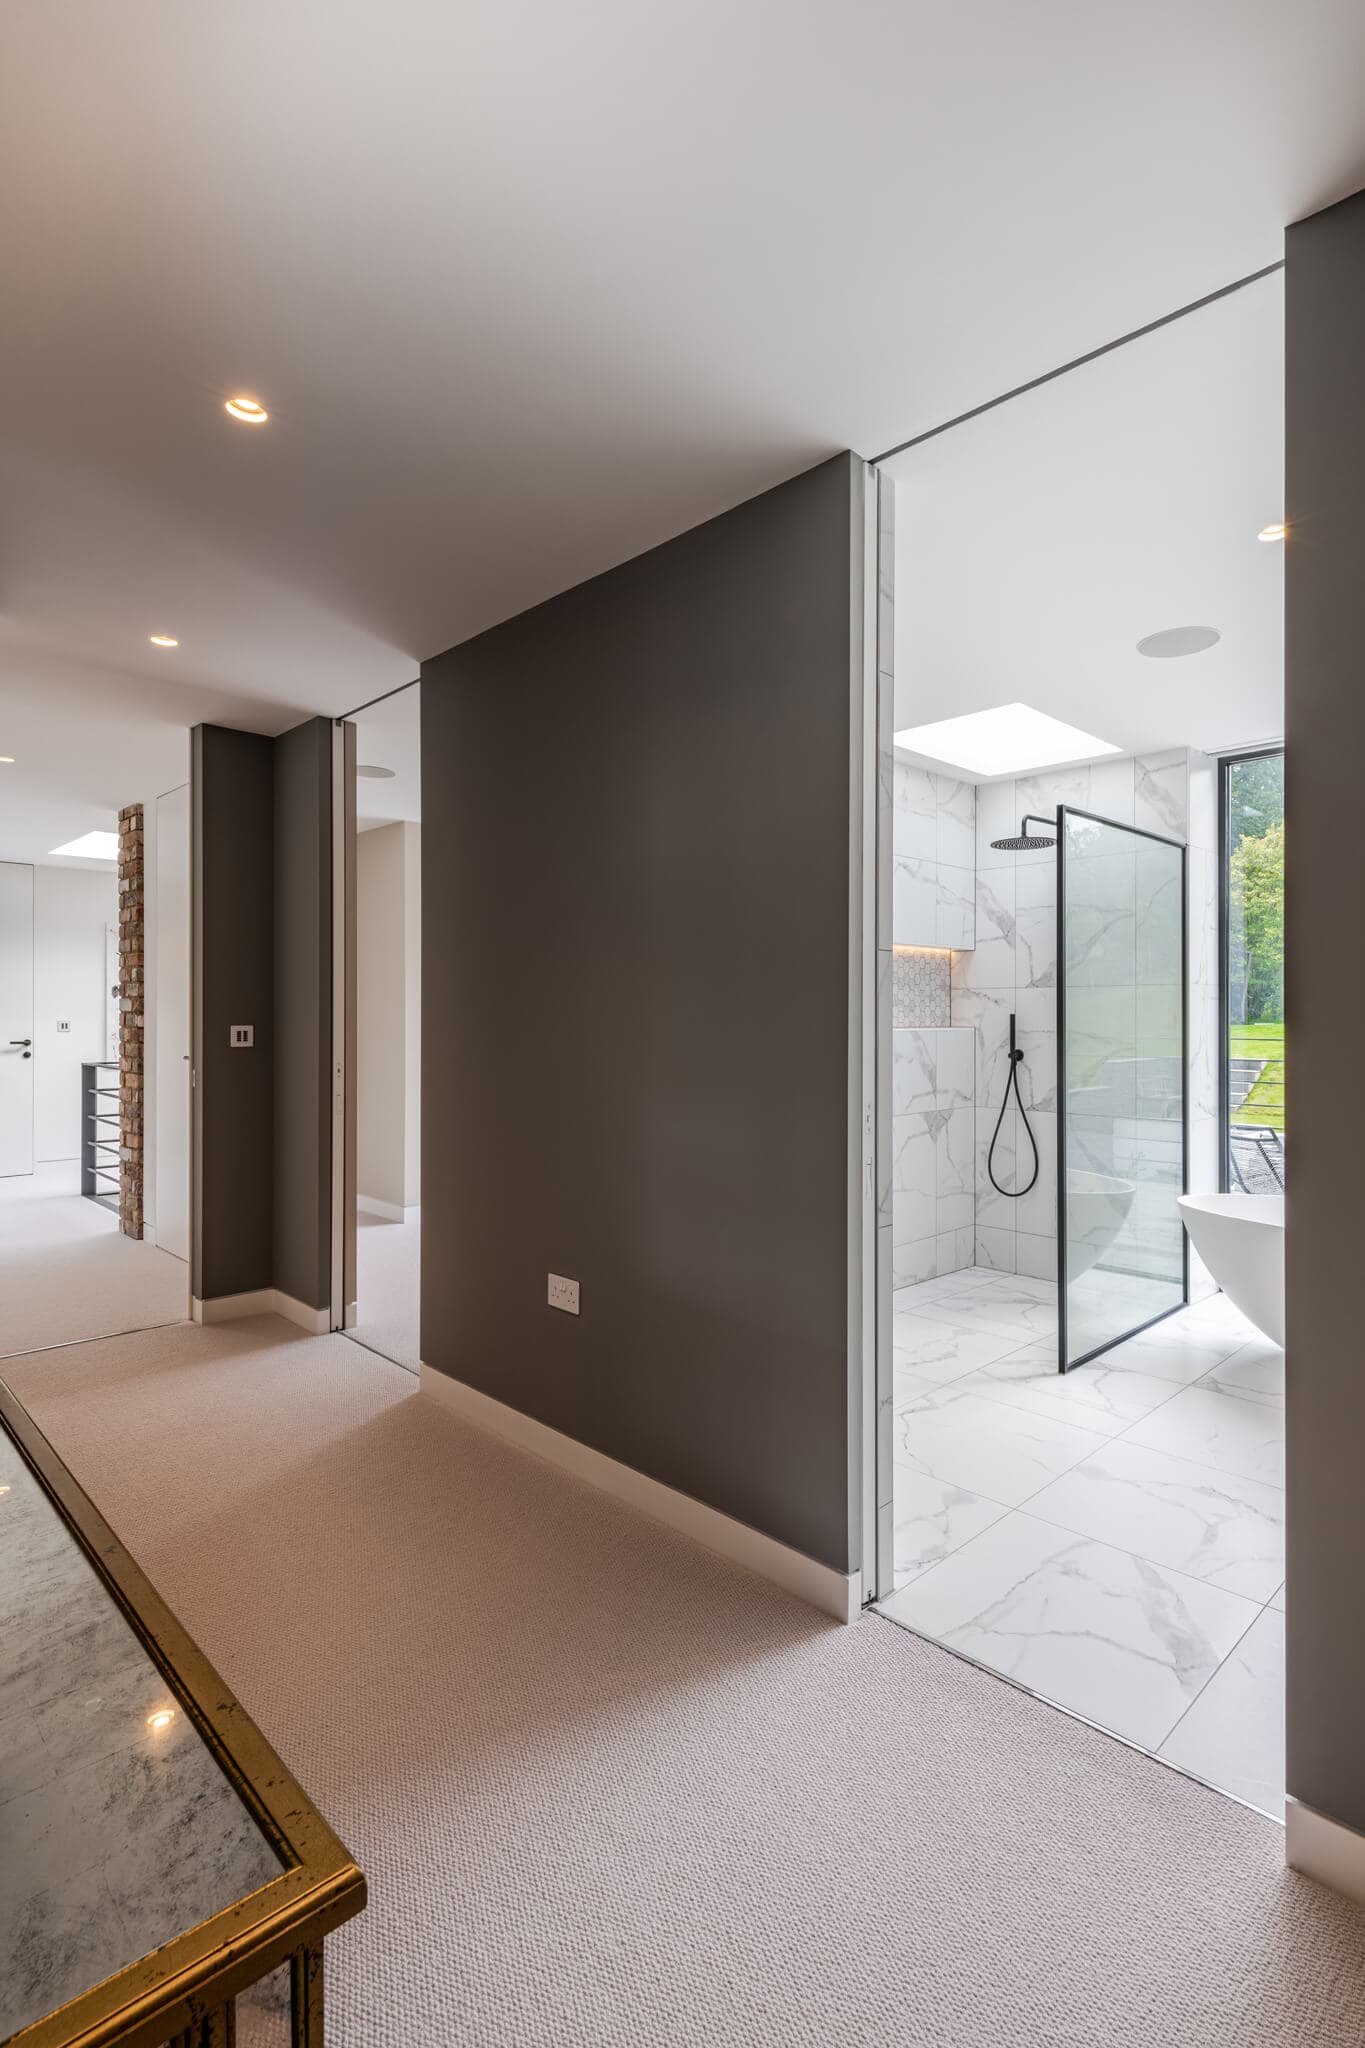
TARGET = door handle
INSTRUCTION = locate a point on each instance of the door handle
(21, 1041)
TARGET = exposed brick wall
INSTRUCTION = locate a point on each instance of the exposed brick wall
(130, 975)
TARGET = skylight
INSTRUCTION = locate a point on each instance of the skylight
(90, 846)
(1013, 739)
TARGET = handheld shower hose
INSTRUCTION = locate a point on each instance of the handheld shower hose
(1012, 1081)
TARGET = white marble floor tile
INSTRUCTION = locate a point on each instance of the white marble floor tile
(1093, 1395)
(1108, 1635)
(932, 1519)
(1020, 1316)
(1210, 1525)
(989, 1448)
(1233, 1735)
(1256, 1369)
(1166, 1353)
(1216, 1318)
(940, 1350)
(1219, 1427)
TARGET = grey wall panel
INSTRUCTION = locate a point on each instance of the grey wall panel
(635, 893)
(1325, 998)
(303, 1011)
(233, 852)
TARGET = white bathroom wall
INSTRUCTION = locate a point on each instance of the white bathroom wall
(388, 1015)
(933, 1153)
(934, 857)
(1013, 967)
(72, 907)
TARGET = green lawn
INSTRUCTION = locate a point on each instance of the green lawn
(1265, 1104)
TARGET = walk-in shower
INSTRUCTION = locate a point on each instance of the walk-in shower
(1121, 1024)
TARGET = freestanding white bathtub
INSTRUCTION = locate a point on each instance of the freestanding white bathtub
(1240, 1238)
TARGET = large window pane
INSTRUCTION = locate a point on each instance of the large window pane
(1253, 800)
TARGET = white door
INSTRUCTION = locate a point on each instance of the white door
(172, 911)
(16, 1018)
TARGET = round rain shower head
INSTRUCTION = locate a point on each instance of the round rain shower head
(1026, 841)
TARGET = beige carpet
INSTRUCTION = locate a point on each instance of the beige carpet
(613, 1793)
(67, 1272)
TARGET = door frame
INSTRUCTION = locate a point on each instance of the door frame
(27, 1172)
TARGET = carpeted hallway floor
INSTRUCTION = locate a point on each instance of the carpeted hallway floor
(613, 1793)
(67, 1272)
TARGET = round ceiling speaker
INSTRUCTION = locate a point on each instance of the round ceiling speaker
(1178, 640)
(373, 774)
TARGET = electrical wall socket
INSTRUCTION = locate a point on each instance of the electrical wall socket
(241, 1034)
(63, 1023)
(563, 1294)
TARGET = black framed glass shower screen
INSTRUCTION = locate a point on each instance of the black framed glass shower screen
(1122, 1026)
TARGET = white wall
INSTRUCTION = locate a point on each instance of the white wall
(388, 1016)
(72, 907)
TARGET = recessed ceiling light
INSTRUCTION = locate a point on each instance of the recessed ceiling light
(1277, 532)
(90, 846)
(1178, 640)
(373, 774)
(8, 760)
(162, 1718)
(248, 409)
(162, 640)
(1012, 739)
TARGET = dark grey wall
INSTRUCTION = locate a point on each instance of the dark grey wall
(635, 884)
(232, 881)
(303, 1012)
(261, 878)
(1325, 998)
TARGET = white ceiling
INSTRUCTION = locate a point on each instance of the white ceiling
(529, 288)
(1037, 544)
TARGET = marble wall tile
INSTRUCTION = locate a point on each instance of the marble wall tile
(1161, 792)
(991, 964)
(914, 1261)
(914, 901)
(1036, 1212)
(1111, 789)
(914, 1071)
(912, 1178)
(1035, 1256)
(955, 909)
(955, 814)
(933, 858)
(955, 1161)
(955, 1068)
(997, 817)
(995, 1248)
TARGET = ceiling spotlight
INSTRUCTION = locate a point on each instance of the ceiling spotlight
(162, 1718)
(1178, 640)
(248, 409)
(7, 759)
(373, 774)
(162, 640)
(1276, 532)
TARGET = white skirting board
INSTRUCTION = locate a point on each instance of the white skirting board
(836, 1593)
(392, 1212)
(262, 1301)
(1325, 1850)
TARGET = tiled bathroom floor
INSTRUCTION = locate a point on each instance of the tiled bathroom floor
(1112, 1539)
